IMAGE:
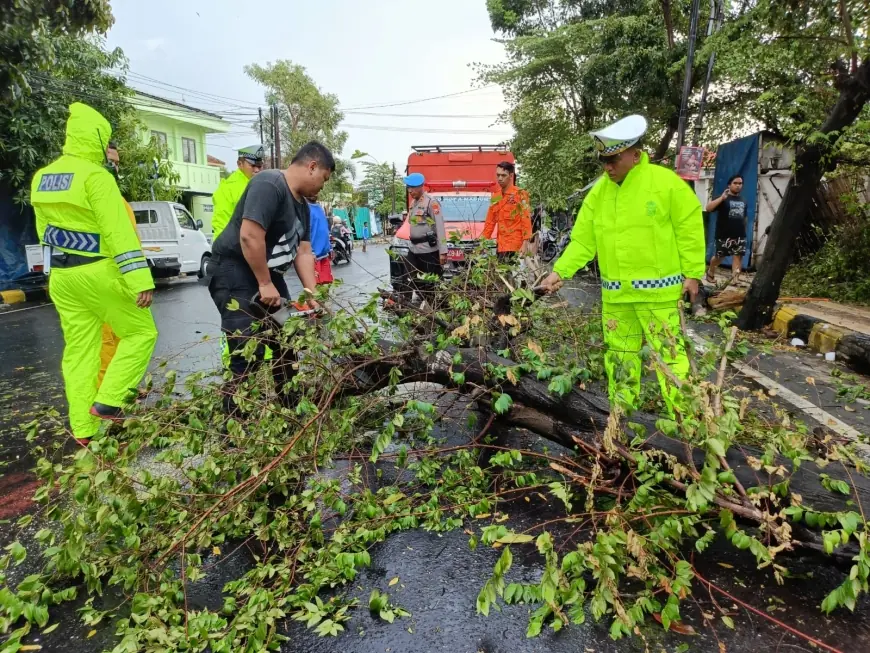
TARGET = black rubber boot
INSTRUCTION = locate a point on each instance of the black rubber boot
(104, 411)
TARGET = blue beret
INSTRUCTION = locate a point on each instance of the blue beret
(414, 180)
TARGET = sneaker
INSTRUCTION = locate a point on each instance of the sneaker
(104, 411)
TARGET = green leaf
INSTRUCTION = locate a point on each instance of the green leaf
(728, 621)
(390, 500)
(503, 403)
(515, 538)
(534, 628)
(233, 305)
(716, 446)
(18, 552)
(831, 540)
(377, 601)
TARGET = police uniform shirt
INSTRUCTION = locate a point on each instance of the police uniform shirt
(425, 217)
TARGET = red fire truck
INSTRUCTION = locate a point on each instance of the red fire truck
(462, 179)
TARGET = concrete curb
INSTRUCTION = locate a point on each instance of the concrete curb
(851, 347)
(20, 295)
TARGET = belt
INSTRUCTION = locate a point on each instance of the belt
(81, 241)
(645, 284)
(66, 260)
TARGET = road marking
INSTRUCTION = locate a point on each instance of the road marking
(29, 308)
(818, 414)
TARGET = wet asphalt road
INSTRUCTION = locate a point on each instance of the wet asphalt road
(439, 577)
(31, 345)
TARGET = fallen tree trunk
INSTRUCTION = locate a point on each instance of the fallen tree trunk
(583, 414)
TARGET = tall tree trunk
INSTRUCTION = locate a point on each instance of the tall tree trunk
(669, 22)
(665, 143)
(810, 165)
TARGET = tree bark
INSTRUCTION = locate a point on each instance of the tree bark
(810, 165)
(669, 22)
(665, 142)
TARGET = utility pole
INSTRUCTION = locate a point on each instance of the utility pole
(277, 136)
(272, 137)
(687, 82)
(716, 14)
(393, 184)
(260, 111)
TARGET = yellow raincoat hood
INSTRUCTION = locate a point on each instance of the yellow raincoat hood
(87, 134)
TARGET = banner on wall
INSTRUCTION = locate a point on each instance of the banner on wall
(689, 162)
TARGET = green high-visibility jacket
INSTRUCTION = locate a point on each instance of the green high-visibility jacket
(78, 206)
(648, 233)
(225, 198)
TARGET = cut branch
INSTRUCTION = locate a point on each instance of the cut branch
(582, 415)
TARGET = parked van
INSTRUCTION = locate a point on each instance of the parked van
(172, 240)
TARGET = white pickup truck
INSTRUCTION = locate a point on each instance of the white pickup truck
(172, 240)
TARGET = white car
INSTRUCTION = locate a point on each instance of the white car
(172, 240)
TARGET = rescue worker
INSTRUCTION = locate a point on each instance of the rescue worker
(428, 251)
(97, 273)
(644, 223)
(230, 189)
(510, 211)
(110, 338)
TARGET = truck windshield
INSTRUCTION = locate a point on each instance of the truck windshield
(464, 208)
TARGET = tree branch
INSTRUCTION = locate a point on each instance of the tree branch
(850, 36)
(669, 22)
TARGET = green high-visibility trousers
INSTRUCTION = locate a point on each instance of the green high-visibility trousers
(86, 297)
(626, 326)
(225, 352)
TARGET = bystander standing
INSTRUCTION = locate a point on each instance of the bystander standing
(730, 228)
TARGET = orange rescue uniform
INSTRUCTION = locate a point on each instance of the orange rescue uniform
(511, 212)
(110, 340)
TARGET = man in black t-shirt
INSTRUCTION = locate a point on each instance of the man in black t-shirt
(730, 227)
(269, 231)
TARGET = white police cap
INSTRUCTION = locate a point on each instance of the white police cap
(619, 136)
(253, 153)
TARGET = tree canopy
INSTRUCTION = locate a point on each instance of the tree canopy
(29, 28)
(32, 128)
(305, 113)
(380, 186)
(574, 65)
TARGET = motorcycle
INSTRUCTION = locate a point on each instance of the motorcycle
(340, 252)
(347, 235)
(550, 244)
(343, 234)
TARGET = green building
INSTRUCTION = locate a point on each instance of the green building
(183, 130)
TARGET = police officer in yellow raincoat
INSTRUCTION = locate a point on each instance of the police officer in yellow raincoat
(225, 198)
(645, 225)
(231, 189)
(97, 273)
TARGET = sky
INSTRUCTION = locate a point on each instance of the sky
(382, 52)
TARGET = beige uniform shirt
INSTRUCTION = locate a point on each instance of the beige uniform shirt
(426, 218)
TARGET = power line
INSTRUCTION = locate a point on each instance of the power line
(422, 115)
(48, 84)
(426, 99)
(248, 103)
(391, 128)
